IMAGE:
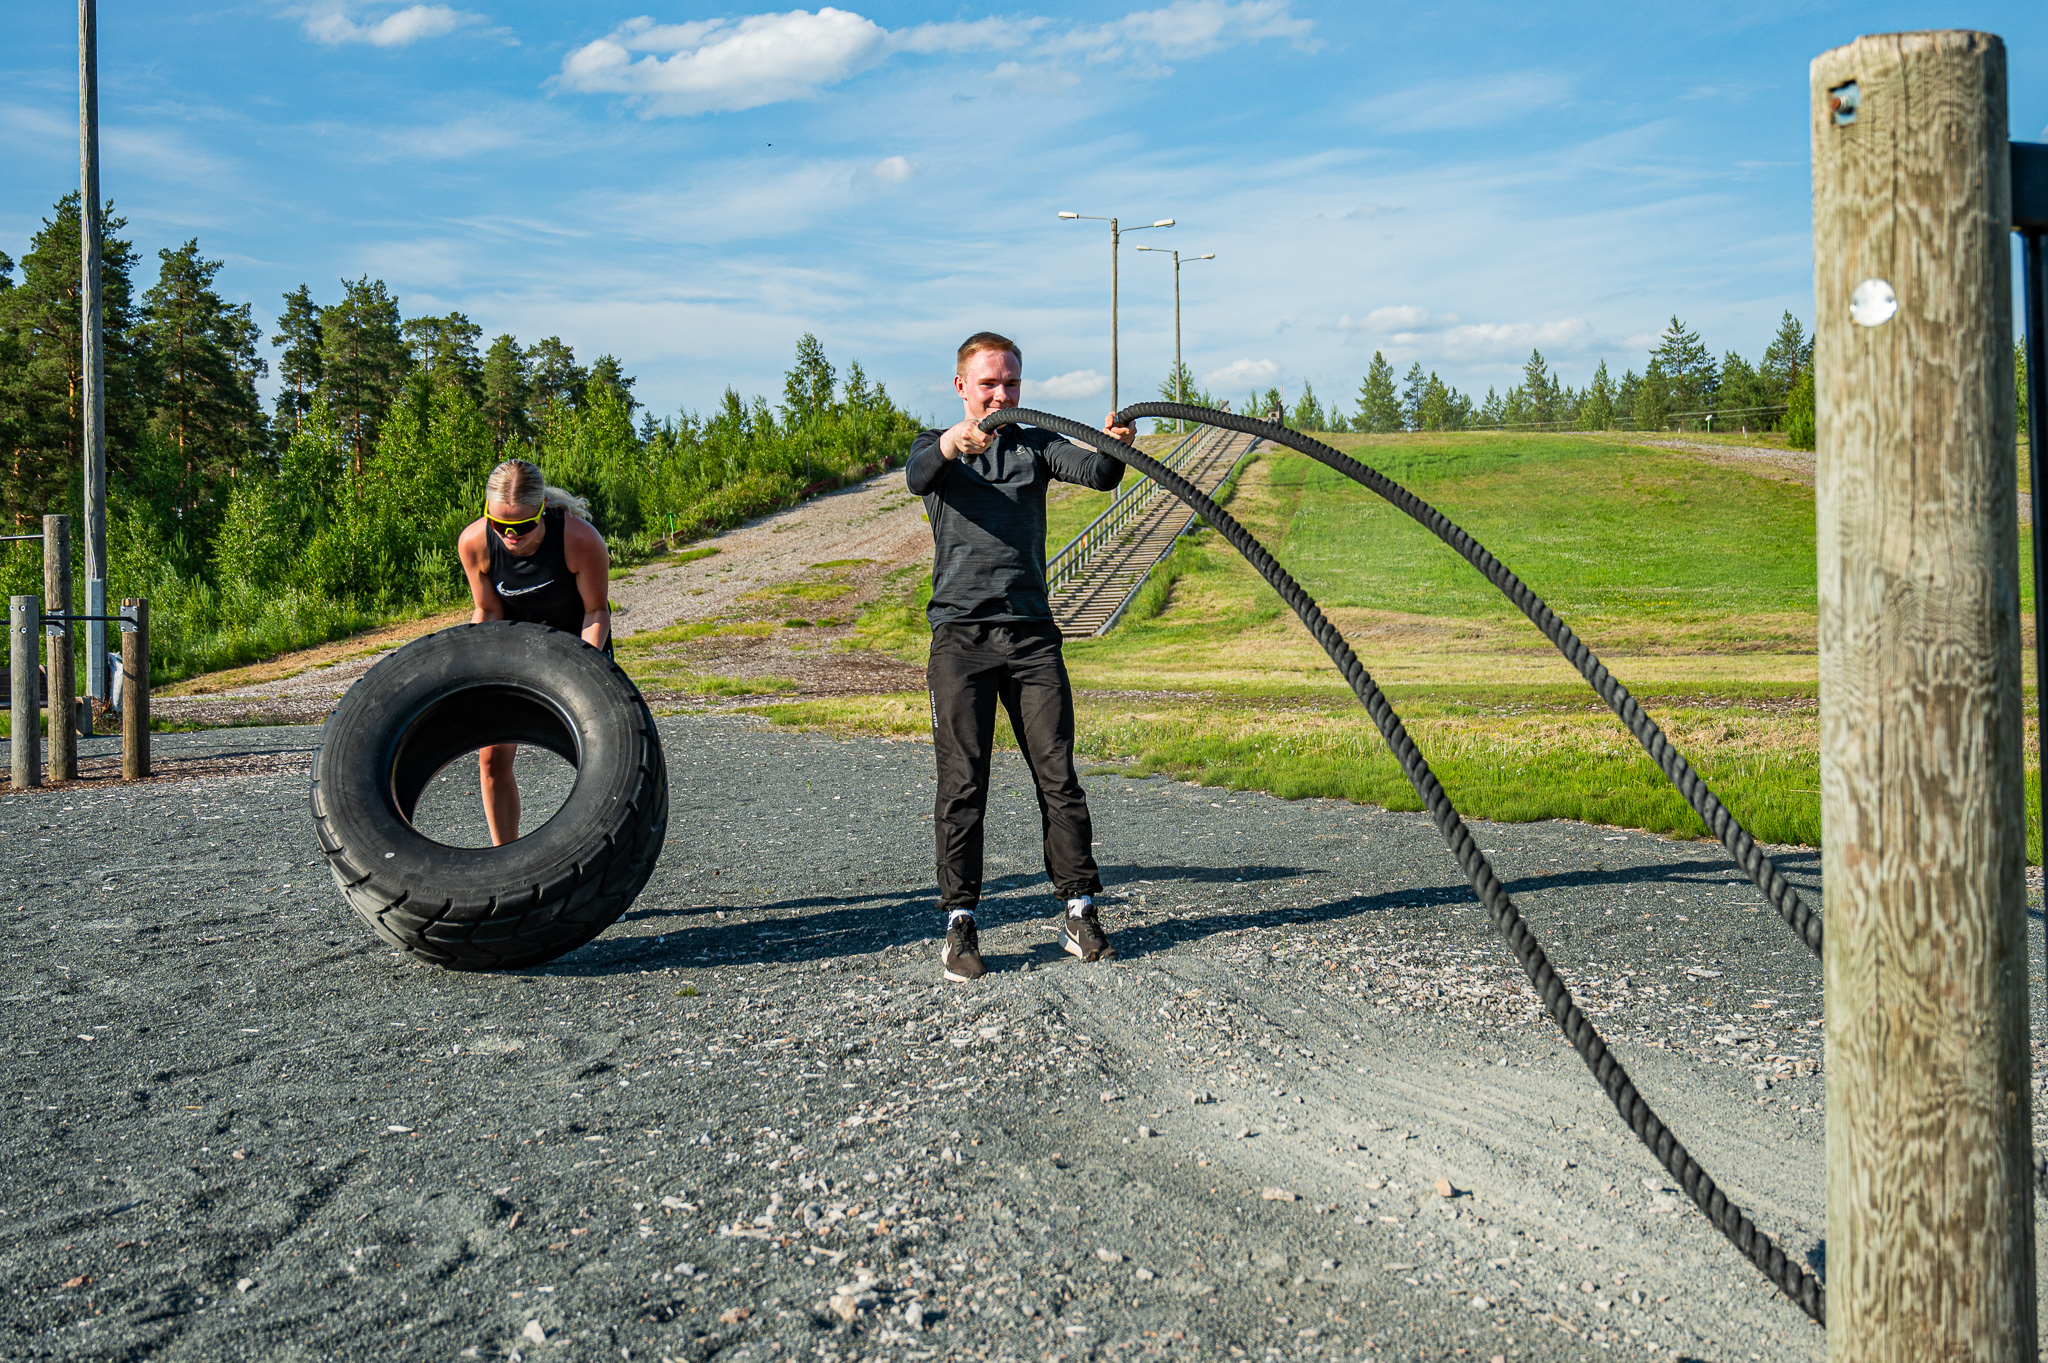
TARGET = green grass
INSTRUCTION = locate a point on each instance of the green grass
(1594, 528)
(1695, 581)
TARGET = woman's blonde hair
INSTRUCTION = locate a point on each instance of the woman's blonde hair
(516, 482)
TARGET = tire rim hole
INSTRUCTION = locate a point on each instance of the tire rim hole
(451, 810)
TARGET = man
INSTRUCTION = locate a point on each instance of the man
(994, 639)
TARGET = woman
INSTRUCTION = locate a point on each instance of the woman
(534, 556)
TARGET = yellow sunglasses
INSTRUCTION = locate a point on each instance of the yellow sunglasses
(515, 529)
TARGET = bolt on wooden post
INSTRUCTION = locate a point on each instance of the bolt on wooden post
(135, 689)
(63, 672)
(24, 623)
(1930, 1247)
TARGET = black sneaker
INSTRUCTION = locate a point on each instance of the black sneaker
(961, 956)
(1083, 936)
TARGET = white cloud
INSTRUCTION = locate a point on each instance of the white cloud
(330, 22)
(1193, 28)
(1487, 102)
(1404, 317)
(1241, 371)
(894, 169)
(1498, 340)
(977, 35)
(724, 65)
(1079, 383)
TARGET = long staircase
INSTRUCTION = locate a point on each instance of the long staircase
(1094, 578)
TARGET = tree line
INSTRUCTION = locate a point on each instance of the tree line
(1683, 384)
(255, 531)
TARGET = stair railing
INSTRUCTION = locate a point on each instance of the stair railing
(1127, 506)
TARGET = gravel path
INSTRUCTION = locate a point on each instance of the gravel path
(878, 522)
(749, 1123)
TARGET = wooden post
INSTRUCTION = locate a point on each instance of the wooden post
(24, 616)
(63, 672)
(1930, 1183)
(135, 689)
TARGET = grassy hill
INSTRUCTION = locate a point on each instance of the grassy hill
(1691, 573)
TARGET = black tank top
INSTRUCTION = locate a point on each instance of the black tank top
(539, 587)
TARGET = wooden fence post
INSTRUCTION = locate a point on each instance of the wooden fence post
(1930, 1245)
(135, 690)
(24, 623)
(63, 671)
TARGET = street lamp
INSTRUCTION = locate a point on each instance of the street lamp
(1115, 236)
(1179, 382)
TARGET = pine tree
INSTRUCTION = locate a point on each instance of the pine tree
(1536, 389)
(1625, 397)
(1180, 386)
(44, 386)
(555, 382)
(608, 374)
(1596, 410)
(1379, 403)
(203, 354)
(444, 349)
(1412, 389)
(1490, 411)
(1271, 407)
(363, 361)
(807, 387)
(1799, 427)
(1687, 368)
(505, 392)
(1789, 355)
(1308, 412)
(298, 331)
(1433, 413)
(1653, 399)
(1737, 390)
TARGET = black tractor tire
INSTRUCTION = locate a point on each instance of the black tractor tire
(442, 697)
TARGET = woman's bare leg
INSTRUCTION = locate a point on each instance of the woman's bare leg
(501, 792)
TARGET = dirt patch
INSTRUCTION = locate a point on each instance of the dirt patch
(370, 644)
(772, 602)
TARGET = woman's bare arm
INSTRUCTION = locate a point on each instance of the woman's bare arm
(583, 550)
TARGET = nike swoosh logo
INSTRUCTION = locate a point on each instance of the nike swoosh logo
(504, 590)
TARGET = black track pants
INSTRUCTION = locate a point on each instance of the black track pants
(972, 667)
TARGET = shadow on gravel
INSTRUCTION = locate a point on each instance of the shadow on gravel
(814, 928)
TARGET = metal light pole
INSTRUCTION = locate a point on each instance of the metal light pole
(1115, 235)
(94, 398)
(1180, 383)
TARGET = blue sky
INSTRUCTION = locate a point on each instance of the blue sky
(692, 187)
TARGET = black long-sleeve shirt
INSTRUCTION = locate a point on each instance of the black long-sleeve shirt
(988, 519)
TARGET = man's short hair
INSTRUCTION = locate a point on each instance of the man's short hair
(984, 340)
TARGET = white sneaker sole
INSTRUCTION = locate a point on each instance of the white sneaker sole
(955, 977)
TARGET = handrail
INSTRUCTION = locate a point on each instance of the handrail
(1119, 513)
(1194, 520)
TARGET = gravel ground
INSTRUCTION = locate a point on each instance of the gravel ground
(749, 1122)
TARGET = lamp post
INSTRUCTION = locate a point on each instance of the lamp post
(1115, 235)
(1179, 382)
(93, 401)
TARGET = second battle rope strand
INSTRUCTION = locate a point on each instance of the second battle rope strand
(1790, 1277)
(1760, 868)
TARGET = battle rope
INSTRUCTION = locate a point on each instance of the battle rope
(1760, 868)
(1790, 1277)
